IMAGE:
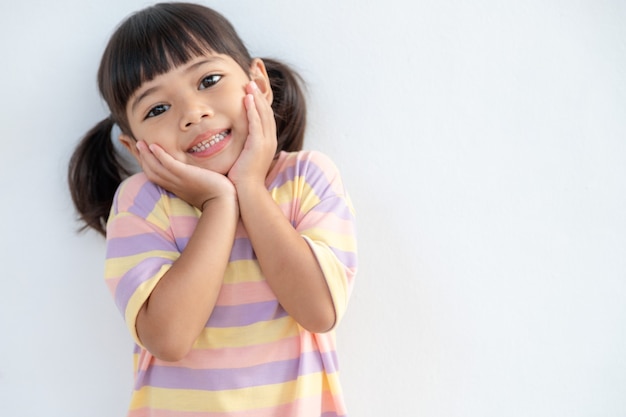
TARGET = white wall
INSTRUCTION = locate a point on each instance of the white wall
(484, 144)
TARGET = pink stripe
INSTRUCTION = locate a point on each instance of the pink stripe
(131, 188)
(267, 373)
(112, 283)
(325, 343)
(326, 221)
(184, 225)
(240, 232)
(303, 407)
(292, 209)
(128, 226)
(244, 293)
(243, 357)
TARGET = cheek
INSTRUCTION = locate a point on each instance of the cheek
(232, 102)
(160, 139)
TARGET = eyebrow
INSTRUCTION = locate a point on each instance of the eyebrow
(156, 88)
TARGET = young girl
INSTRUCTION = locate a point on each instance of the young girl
(232, 254)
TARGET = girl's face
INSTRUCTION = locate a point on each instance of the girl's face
(196, 112)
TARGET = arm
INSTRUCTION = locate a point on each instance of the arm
(179, 306)
(287, 262)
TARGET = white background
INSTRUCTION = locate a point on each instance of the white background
(484, 145)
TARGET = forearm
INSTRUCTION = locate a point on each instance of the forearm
(181, 303)
(287, 261)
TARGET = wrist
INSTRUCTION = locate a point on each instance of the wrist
(224, 202)
(249, 187)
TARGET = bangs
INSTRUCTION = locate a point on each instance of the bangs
(149, 56)
(158, 39)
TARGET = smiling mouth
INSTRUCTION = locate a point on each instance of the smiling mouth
(212, 141)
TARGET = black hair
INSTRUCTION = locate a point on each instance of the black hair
(147, 44)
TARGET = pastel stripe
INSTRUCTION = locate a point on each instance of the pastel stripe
(243, 271)
(229, 401)
(245, 314)
(315, 177)
(337, 206)
(134, 245)
(282, 195)
(302, 407)
(147, 193)
(243, 356)
(252, 358)
(127, 286)
(242, 249)
(229, 379)
(245, 292)
(257, 333)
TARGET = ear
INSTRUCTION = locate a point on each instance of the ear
(130, 144)
(258, 74)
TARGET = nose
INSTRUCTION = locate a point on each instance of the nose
(194, 111)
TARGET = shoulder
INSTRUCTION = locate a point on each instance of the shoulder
(312, 170)
(308, 157)
(137, 192)
(308, 163)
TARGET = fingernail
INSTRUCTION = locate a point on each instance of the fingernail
(254, 86)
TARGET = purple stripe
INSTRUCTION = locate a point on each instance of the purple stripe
(315, 177)
(181, 243)
(118, 247)
(348, 259)
(242, 250)
(146, 199)
(245, 314)
(236, 378)
(335, 205)
(134, 277)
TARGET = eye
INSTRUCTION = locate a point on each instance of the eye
(157, 110)
(209, 81)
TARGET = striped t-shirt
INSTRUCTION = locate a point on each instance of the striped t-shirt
(252, 358)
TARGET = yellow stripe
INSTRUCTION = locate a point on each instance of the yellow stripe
(335, 275)
(342, 241)
(254, 334)
(138, 298)
(180, 207)
(116, 267)
(309, 199)
(284, 194)
(160, 215)
(230, 400)
(243, 271)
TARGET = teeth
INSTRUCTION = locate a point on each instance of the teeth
(202, 146)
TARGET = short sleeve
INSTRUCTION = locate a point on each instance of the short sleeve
(140, 245)
(321, 211)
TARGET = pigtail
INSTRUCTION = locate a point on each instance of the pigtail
(95, 172)
(289, 105)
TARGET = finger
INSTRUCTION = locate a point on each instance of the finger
(255, 125)
(264, 108)
(262, 126)
(147, 160)
(164, 158)
(156, 163)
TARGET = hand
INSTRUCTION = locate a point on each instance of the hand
(193, 184)
(256, 157)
